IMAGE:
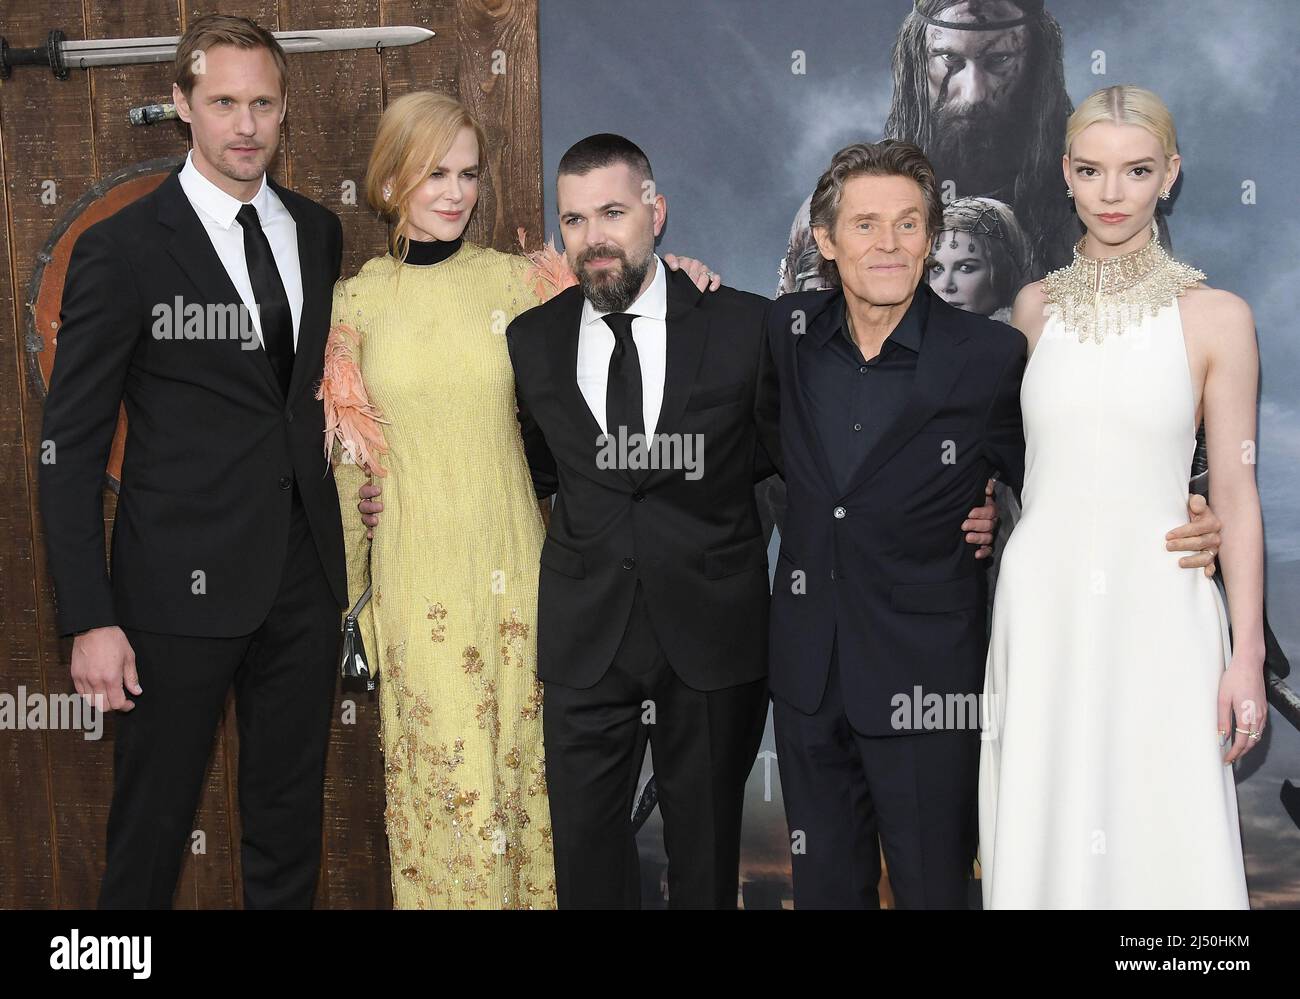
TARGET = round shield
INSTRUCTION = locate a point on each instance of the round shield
(45, 293)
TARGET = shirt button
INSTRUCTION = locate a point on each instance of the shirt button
(629, 562)
(862, 369)
(285, 482)
(840, 513)
(857, 426)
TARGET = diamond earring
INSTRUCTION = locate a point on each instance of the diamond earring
(1069, 192)
(1164, 195)
(388, 193)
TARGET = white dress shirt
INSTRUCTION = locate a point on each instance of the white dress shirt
(649, 333)
(217, 210)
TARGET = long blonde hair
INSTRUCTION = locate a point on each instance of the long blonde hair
(1125, 105)
(415, 132)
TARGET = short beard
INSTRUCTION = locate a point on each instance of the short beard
(978, 149)
(229, 168)
(611, 293)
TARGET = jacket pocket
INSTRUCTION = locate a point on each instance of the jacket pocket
(707, 398)
(563, 560)
(946, 427)
(934, 598)
(738, 557)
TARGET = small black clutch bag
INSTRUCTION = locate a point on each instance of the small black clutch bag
(354, 664)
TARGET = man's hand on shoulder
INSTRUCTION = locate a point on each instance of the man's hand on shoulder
(369, 506)
(1200, 535)
(981, 524)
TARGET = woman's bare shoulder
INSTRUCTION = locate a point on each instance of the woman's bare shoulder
(1028, 313)
(1201, 301)
(1220, 318)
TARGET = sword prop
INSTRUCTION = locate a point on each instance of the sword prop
(62, 56)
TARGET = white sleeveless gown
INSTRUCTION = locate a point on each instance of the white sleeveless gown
(1101, 780)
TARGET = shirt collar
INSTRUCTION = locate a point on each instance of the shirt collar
(907, 333)
(215, 203)
(651, 303)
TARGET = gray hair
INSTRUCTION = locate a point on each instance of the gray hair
(887, 158)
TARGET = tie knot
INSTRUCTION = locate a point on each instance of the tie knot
(620, 323)
(247, 216)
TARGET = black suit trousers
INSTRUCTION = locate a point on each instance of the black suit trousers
(847, 795)
(703, 745)
(283, 673)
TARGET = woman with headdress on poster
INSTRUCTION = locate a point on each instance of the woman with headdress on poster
(1110, 669)
(978, 263)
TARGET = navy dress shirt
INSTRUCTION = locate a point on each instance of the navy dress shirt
(852, 400)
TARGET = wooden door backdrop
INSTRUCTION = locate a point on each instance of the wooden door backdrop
(57, 139)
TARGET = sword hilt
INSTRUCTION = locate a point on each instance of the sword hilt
(50, 55)
(151, 114)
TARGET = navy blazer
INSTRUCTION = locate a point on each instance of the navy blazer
(883, 564)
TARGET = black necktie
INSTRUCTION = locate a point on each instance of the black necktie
(268, 293)
(623, 388)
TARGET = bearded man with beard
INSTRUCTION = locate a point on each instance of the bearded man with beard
(979, 85)
(653, 592)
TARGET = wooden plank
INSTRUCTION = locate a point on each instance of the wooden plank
(334, 108)
(263, 12)
(431, 65)
(498, 81)
(116, 89)
(27, 820)
(48, 150)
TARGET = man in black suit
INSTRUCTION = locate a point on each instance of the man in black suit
(653, 594)
(896, 408)
(204, 306)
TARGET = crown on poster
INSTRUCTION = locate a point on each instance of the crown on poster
(977, 219)
(1029, 9)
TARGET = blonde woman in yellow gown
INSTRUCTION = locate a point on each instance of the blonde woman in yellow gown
(420, 398)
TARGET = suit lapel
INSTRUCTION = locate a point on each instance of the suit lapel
(807, 425)
(686, 335)
(942, 358)
(192, 250)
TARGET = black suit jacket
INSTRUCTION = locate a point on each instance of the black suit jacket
(883, 564)
(694, 544)
(213, 445)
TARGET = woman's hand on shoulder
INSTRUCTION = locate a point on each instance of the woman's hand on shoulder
(705, 279)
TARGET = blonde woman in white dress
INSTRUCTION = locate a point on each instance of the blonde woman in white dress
(1115, 702)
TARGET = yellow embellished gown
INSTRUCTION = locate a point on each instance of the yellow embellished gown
(454, 565)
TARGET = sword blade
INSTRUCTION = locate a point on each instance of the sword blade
(133, 51)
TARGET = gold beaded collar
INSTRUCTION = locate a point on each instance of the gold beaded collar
(1099, 297)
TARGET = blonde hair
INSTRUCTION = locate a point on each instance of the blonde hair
(415, 132)
(1125, 105)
